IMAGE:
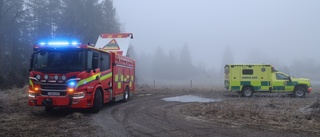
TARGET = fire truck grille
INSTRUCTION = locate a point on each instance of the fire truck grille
(54, 86)
(54, 89)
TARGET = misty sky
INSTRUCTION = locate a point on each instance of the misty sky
(257, 31)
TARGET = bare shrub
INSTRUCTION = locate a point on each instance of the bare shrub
(315, 111)
(272, 113)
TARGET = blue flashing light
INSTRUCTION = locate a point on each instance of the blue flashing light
(58, 43)
(72, 84)
(74, 43)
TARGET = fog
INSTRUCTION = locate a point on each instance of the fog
(275, 32)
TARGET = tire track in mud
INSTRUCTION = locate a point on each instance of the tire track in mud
(150, 116)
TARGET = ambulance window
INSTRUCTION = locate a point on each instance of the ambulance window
(247, 71)
(105, 61)
(281, 76)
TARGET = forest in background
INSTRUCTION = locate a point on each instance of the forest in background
(24, 22)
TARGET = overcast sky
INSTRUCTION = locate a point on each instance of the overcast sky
(257, 31)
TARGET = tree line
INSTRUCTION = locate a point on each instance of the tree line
(172, 65)
(25, 22)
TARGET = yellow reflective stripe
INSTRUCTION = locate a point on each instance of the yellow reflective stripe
(130, 84)
(116, 78)
(106, 76)
(131, 78)
(31, 83)
(121, 77)
(89, 79)
(119, 85)
(125, 79)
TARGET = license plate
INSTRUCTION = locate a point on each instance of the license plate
(53, 93)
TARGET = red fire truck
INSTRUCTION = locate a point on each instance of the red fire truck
(69, 74)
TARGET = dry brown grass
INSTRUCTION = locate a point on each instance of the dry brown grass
(272, 113)
(19, 119)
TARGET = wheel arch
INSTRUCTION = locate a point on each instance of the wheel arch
(301, 85)
(245, 86)
(98, 87)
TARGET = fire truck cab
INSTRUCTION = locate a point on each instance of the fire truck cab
(69, 74)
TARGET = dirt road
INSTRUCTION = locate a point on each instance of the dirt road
(147, 114)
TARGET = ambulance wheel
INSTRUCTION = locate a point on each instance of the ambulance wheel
(97, 103)
(299, 92)
(247, 92)
(126, 95)
(48, 109)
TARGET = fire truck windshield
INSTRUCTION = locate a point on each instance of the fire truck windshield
(59, 60)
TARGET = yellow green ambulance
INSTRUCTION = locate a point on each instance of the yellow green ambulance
(249, 79)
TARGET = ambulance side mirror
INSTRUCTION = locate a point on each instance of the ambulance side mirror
(289, 79)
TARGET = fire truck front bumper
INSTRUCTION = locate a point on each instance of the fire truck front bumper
(56, 101)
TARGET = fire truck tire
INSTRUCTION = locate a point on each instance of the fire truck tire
(126, 95)
(48, 109)
(97, 103)
(299, 92)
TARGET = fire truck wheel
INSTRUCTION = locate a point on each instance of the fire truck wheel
(48, 109)
(97, 103)
(299, 92)
(247, 92)
(126, 95)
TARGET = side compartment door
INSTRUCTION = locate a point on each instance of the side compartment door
(118, 80)
(132, 79)
(235, 78)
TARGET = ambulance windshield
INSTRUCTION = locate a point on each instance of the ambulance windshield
(58, 60)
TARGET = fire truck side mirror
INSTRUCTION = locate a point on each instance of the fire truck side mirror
(95, 62)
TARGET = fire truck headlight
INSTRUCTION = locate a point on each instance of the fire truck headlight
(78, 95)
(36, 88)
(38, 77)
(56, 77)
(46, 77)
(70, 90)
(32, 94)
(63, 77)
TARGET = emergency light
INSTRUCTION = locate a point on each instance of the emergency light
(59, 43)
(72, 84)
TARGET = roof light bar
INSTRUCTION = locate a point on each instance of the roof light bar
(58, 43)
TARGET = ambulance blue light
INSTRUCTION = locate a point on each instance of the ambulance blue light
(42, 43)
